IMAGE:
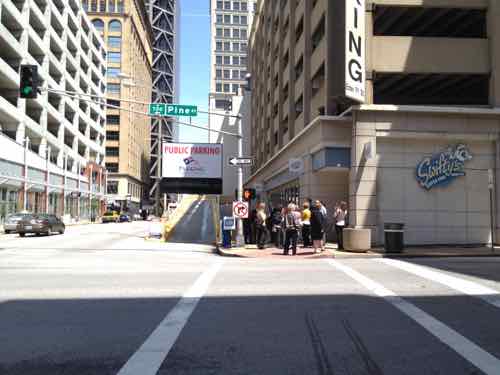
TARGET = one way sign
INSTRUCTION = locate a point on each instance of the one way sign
(236, 162)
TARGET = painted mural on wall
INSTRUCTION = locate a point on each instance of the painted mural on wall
(442, 168)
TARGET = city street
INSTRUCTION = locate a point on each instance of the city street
(101, 300)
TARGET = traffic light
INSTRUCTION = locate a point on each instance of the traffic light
(28, 87)
(249, 194)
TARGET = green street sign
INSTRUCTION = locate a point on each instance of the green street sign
(161, 109)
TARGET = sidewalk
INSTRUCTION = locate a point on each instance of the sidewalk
(251, 251)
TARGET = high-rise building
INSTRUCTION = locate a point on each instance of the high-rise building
(126, 28)
(230, 27)
(392, 108)
(165, 21)
(52, 147)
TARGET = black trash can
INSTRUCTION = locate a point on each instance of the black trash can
(394, 237)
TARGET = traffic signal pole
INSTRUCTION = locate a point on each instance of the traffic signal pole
(240, 239)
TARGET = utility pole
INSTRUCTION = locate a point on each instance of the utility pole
(25, 192)
(240, 239)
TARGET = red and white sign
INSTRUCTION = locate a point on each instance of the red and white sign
(240, 210)
(192, 160)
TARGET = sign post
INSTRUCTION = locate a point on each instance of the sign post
(492, 224)
(237, 161)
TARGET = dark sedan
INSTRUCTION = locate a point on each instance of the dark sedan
(40, 224)
(125, 218)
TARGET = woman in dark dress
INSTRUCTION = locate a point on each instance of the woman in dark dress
(317, 226)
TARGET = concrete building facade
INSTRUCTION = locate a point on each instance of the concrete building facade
(125, 26)
(52, 147)
(230, 23)
(420, 148)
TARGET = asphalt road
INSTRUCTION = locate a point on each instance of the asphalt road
(101, 300)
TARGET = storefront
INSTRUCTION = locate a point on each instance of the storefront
(425, 167)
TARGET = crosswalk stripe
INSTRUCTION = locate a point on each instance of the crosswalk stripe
(467, 287)
(148, 358)
(473, 353)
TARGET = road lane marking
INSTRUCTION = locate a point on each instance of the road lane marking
(467, 287)
(473, 353)
(148, 359)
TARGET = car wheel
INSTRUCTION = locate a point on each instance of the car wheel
(22, 234)
(7, 231)
(61, 231)
(37, 234)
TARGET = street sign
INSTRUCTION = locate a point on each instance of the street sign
(240, 210)
(163, 109)
(228, 223)
(236, 162)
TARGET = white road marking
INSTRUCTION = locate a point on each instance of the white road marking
(148, 358)
(470, 288)
(480, 358)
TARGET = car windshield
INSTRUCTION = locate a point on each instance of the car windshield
(109, 213)
(41, 216)
(16, 217)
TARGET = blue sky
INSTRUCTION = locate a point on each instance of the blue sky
(195, 64)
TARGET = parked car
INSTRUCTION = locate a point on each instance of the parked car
(40, 224)
(125, 218)
(110, 217)
(10, 225)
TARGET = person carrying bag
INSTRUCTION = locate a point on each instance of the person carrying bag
(291, 226)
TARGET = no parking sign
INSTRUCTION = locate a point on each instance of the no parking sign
(240, 210)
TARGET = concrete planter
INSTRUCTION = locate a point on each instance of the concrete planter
(357, 240)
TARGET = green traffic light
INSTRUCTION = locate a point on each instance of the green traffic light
(27, 90)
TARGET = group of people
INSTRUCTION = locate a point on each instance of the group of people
(287, 224)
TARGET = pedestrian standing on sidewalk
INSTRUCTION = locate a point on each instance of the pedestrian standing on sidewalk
(291, 226)
(306, 225)
(260, 224)
(276, 225)
(326, 224)
(317, 227)
(340, 222)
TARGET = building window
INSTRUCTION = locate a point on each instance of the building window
(114, 103)
(318, 34)
(114, 57)
(243, 47)
(244, 6)
(99, 25)
(227, 33)
(226, 87)
(299, 67)
(102, 5)
(243, 60)
(218, 87)
(227, 60)
(236, 60)
(218, 60)
(236, 20)
(112, 136)
(115, 26)
(113, 119)
(227, 74)
(227, 5)
(114, 41)
(120, 6)
(244, 34)
(243, 74)
(112, 151)
(218, 73)
(219, 18)
(219, 4)
(236, 47)
(236, 74)
(112, 185)
(299, 106)
(114, 88)
(227, 46)
(218, 46)
(93, 5)
(113, 72)
(85, 5)
(235, 88)
(227, 18)
(218, 32)
(236, 5)
(244, 20)
(236, 33)
(111, 6)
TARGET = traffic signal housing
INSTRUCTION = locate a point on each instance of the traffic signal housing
(249, 194)
(28, 85)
